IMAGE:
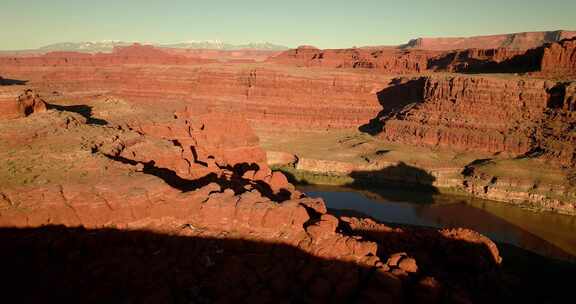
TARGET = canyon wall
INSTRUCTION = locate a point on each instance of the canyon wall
(496, 114)
(560, 58)
(521, 41)
(500, 60)
(271, 97)
(555, 59)
(550, 59)
(390, 61)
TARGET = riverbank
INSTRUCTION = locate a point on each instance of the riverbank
(525, 254)
(548, 234)
(354, 159)
(537, 247)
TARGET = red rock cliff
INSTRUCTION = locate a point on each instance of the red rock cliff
(471, 113)
(384, 60)
(560, 58)
(522, 41)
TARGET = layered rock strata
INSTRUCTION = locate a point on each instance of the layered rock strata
(384, 60)
(201, 179)
(270, 97)
(559, 58)
(496, 115)
(519, 41)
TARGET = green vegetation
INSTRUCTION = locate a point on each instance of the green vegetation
(313, 178)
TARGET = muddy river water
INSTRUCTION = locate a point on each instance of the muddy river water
(547, 234)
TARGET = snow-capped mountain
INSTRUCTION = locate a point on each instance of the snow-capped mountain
(86, 46)
(220, 45)
(109, 45)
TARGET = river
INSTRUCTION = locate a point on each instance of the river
(548, 234)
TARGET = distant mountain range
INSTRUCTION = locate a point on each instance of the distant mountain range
(109, 45)
(525, 40)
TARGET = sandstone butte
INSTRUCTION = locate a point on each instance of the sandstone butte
(153, 154)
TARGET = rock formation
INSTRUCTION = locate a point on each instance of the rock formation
(549, 56)
(555, 59)
(197, 178)
(500, 60)
(16, 103)
(467, 112)
(520, 41)
(268, 96)
(559, 58)
(385, 60)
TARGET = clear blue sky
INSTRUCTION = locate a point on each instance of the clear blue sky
(324, 23)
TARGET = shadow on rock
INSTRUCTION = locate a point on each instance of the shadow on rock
(84, 110)
(396, 183)
(464, 62)
(54, 264)
(10, 82)
(461, 259)
(293, 179)
(393, 99)
(65, 265)
(235, 181)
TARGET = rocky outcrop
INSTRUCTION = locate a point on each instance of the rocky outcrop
(555, 136)
(16, 103)
(559, 58)
(403, 258)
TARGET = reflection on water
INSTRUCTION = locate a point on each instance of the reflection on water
(544, 233)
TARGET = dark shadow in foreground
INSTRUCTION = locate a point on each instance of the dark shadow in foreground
(523, 276)
(84, 110)
(55, 264)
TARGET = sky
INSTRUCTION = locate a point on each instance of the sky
(26, 24)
